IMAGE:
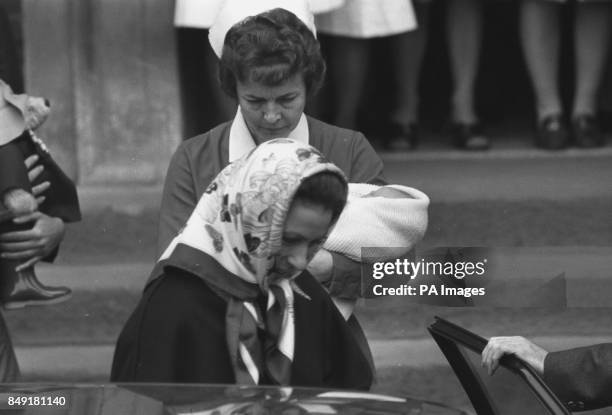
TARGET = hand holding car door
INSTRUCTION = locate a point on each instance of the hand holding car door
(522, 348)
(580, 377)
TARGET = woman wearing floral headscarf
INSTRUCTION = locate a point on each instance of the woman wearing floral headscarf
(271, 62)
(230, 307)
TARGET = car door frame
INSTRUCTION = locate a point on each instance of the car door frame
(449, 336)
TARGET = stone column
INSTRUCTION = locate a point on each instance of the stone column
(47, 72)
(113, 73)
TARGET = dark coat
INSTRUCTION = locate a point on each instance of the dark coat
(581, 377)
(178, 334)
(61, 199)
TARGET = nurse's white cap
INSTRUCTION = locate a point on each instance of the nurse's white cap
(235, 11)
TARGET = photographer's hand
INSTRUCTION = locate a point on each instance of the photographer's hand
(34, 244)
(34, 171)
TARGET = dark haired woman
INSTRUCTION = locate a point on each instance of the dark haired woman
(232, 304)
(271, 63)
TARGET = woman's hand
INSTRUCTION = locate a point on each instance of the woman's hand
(33, 172)
(34, 244)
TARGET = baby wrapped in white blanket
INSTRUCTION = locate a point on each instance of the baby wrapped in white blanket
(378, 216)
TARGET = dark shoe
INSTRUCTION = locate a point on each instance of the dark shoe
(402, 137)
(587, 132)
(470, 137)
(22, 289)
(552, 133)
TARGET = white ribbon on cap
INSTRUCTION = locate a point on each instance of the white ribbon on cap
(235, 11)
(196, 14)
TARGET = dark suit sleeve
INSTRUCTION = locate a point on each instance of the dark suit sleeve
(178, 198)
(581, 377)
(13, 172)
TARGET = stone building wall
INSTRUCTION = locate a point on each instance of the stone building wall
(109, 69)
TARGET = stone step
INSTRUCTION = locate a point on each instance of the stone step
(105, 295)
(504, 174)
(108, 236)
(584, 267)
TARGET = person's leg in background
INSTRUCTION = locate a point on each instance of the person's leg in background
(408, 50)
(593, 21)
(190, 70)
(540, 29)
(9, 369)
(204, 105)
(464, 23)
(224, 106)
(10, 66)
(348, 68)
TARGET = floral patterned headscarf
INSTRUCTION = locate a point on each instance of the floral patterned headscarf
(240, 217)
(239, 222)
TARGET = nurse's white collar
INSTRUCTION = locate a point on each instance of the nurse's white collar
(241, 141)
